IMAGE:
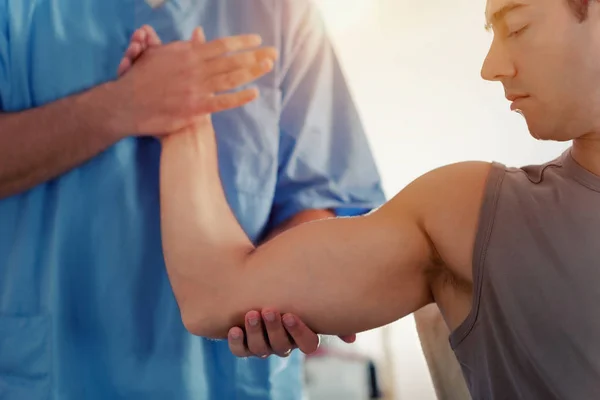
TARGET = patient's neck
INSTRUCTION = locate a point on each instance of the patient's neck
(586, 151)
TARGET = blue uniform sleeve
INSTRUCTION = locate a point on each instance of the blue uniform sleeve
(3, 54)
(325, 161)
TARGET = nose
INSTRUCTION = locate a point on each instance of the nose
(498, 64)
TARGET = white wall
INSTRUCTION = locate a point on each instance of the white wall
(413, 67)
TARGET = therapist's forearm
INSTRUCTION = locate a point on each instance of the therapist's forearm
(40, 144)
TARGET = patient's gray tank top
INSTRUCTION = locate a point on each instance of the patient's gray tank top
(534, 328)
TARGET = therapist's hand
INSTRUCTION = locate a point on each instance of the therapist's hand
(269, 333)
(168, 87)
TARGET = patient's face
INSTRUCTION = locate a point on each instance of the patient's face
(544, 53)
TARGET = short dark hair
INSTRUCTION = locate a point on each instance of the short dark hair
(580, 8)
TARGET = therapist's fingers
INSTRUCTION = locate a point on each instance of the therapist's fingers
(224, 81)
(306, 340)
(279, 339)
(222, 46)
(141, 40)
(136, 47)
(152, 38)
(237, 344)
(255, 336)
(227, 101)
(198, 35)
(348, 339)
(242, 61)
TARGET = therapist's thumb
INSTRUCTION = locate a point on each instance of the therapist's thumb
(198, 35)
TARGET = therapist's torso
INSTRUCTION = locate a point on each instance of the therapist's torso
(86, 309)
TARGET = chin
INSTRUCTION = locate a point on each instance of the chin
(549, 136)
(545, 132)
(535, 131)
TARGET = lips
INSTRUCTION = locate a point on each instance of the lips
(516, 100)
(514, 97)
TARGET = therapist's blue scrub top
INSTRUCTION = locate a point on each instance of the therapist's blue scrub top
(86, 309)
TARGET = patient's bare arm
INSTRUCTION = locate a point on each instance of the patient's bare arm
(341, 276)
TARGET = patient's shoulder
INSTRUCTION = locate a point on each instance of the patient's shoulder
(448, 202)
(452, 189)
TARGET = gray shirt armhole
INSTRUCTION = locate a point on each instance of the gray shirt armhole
(484, 232)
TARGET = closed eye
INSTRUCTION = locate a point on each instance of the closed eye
(518, 32)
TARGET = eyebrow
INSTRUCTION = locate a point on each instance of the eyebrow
(501, 14)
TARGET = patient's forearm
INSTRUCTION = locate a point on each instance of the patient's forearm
(203, 243)
(340, 276)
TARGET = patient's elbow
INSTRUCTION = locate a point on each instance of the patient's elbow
(204, 323)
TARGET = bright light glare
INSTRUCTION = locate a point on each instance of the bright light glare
(341, 15)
